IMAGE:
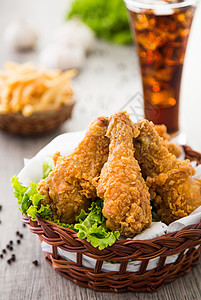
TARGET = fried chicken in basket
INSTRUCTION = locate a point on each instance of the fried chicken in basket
(126, 198)
(176, 194)
(71, 185)
(172, 147)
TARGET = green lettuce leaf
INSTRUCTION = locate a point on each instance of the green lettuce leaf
(48, 165)
(29, 199)
(107, 18)
(69, 226)
(155, 218)
(92, 227)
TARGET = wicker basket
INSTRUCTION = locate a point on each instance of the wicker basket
(185, 243)
(36, 124)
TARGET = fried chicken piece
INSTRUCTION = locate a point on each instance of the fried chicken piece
(72, 183)
(162, 131)
(121, 186)
(176, 194)
(152, 155)
(172, 147)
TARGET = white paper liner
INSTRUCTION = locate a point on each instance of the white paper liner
(65, 143)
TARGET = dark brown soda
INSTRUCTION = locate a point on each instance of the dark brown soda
(161, 42)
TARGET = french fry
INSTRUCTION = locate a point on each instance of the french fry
(26, 89)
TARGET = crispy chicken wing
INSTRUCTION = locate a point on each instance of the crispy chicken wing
(121, 186)
(153, 156)
(172, 147)
(72, 183)
(176, 194)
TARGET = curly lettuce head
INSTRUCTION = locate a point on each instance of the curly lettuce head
(108, 19)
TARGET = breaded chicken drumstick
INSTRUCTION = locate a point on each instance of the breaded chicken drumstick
(72, 183)
(121, 186)
(176, 194)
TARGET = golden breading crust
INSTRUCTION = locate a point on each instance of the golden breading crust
(121, 186)
(175, 193)
(172, 147)
(72, 183)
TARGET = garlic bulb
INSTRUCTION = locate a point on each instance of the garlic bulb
(62, 57)
(75, 33)
(20, 36)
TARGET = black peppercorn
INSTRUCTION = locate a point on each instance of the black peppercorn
(13, 257)
(35, 262)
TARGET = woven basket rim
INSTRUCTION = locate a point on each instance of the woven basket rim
(45, 113)
(121, 241)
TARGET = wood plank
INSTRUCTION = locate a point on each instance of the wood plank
(98, 93)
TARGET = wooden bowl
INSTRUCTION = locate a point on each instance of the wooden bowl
(37, 123)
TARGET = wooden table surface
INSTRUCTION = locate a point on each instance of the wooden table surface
(109, 79)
